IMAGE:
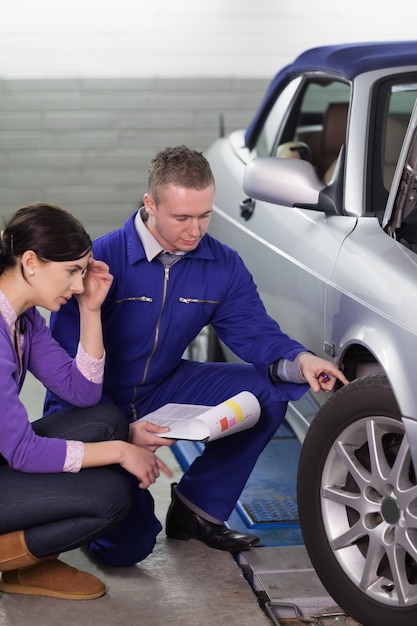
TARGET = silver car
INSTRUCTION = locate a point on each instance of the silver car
(319, 195)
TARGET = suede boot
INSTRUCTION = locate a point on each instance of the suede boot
(55, 579)
(22, 572)
(14, 552)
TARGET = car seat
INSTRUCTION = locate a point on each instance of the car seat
(332, 139)
(294, 150)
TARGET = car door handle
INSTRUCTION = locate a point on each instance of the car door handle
(247, 207)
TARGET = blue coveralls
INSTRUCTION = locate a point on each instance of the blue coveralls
(150, 316)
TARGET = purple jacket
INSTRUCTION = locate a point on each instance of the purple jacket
(50, 364)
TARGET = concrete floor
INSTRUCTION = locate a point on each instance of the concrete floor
(182, 582)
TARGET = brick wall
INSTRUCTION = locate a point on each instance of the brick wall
(85, 144)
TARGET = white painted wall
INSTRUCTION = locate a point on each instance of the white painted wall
(183, 38)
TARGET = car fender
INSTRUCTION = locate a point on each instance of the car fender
(386, 345)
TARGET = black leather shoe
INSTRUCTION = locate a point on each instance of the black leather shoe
(182, 523)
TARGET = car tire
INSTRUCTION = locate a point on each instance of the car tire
(357, 501)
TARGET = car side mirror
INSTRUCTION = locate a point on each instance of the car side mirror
(293, 183)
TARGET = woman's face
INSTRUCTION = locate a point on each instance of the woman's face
(56, 282)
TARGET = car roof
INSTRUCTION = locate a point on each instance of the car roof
(345, 60)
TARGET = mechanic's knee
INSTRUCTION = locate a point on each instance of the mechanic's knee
(117, 555)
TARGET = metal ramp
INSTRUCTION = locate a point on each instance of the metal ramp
(288, 588)
(279, 569)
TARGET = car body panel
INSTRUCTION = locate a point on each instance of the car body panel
(382, 316)
(301, 237)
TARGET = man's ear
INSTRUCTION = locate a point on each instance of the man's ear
(149, 204)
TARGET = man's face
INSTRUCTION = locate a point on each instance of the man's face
(181, 217)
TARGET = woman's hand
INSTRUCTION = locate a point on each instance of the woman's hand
(139, 462)
(319, 373)
(97, 282)
(143, 434)
(143, 464)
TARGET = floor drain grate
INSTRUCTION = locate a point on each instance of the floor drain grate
(271, 511)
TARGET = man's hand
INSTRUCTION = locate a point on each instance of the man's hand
(143, 434)
(319, 373)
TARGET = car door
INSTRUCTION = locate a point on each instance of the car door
(290, 252)
(372, 295)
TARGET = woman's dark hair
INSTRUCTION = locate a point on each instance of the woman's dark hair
(50, 231)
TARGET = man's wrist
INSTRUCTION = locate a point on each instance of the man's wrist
(284, 370)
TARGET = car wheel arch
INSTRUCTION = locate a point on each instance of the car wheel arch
(358, 361)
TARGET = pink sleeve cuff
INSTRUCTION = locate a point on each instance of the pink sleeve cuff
(92, 369)
(75, 456)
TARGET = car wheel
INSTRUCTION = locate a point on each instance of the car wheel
(357, 500)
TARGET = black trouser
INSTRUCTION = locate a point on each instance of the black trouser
(63, 511)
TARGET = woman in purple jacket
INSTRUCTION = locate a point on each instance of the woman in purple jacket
(55, 492)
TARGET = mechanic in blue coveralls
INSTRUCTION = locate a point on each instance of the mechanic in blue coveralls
(171, 278)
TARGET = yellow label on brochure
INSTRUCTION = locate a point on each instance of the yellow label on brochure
(236, 408)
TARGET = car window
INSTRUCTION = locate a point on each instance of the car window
(400, 105)
(322, 121)
(392, 107)
(268, 134)
(308, 120)
(402, 223)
